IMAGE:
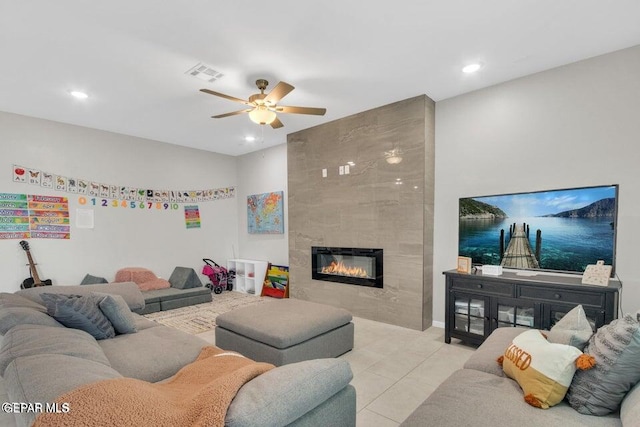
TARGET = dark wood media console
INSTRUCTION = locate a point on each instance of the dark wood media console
(477, 304)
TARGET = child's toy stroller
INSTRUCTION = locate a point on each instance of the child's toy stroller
(218, 275)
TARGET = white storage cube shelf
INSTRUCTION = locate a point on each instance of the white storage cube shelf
(249, 275)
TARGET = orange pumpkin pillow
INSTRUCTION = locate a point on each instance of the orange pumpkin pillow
(542, 369)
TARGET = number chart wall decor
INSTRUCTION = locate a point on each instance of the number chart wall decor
(25, 216)
(265, 213)
(102, 194)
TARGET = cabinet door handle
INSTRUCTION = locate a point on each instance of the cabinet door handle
(557, 296)
(479, 285)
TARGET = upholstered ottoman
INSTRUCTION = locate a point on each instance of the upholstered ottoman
(286, 331)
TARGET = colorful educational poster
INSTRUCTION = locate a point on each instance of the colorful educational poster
(117, 193)
(265, 213)
(25, 216)
(14, 216)
(49, 217)
(192, 216)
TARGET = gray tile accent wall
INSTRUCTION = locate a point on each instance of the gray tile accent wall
(366, 208)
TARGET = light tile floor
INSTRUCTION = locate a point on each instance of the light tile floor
(394, 369)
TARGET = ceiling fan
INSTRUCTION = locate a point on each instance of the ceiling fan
(263, 107)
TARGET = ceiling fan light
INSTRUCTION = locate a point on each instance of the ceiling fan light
(262, 115)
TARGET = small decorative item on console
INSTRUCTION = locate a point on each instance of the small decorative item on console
(597, 274)
(464, 264)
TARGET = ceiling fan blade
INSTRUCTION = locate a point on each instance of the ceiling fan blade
(301, 110)
(281, 90)
(220, 116)
(276, 123)
(222, 95)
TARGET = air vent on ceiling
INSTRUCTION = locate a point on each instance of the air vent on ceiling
(204, 72)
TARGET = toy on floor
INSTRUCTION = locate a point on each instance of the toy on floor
(218, 275)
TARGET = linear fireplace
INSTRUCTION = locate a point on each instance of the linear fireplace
(354, 266)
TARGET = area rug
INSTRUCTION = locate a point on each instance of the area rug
(198, 318)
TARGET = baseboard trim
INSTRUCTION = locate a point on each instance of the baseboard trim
(437, 324)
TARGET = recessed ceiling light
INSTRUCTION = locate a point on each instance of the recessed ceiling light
(78, 95)
(249, 138)
(472, 68)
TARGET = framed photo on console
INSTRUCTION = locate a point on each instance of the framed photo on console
(464, 264)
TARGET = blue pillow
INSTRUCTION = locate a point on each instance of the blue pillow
(117, 311)
(79, 312)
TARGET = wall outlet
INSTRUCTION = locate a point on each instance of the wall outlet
(346, 169)
(341, 170)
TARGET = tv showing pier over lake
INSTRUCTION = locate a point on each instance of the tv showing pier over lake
(557, 230)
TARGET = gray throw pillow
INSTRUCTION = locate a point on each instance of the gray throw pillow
(92, 280)
(79, 312)
(616, 349)
(13, 316)
(573, 329)
(117, 311)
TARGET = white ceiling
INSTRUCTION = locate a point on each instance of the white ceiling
(131, 56)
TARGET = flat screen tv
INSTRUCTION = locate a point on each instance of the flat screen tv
(557, 230)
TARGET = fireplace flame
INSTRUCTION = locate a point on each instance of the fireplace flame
(340, 268)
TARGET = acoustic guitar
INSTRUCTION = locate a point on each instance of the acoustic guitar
(34, 280)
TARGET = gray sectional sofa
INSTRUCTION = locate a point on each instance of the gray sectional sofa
(40, 360)
(481, 395)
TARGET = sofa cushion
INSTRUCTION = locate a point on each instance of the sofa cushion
(152, 354)
(573, 329)
(144, 323)
(28, 340)
(12, 316)
(8, 300)
(154, 284)
(255, 403)
(167, 294)
(79, 312)
(484, 358)
(544, 370)
(474, 398)
(88, 279)
(616, 348)
(128, 290)
(117, 311)
(144, 278)
(184, 278)
(630, 408)
(45, 377)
